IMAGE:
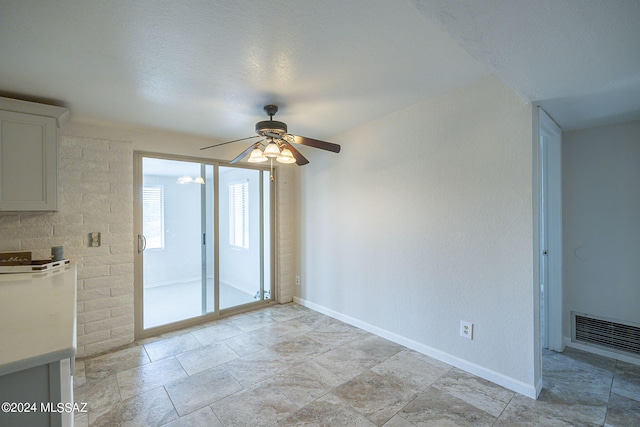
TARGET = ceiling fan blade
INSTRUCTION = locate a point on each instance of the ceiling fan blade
(316, 143)
(229, 142)
(300, 159)
(243, 154)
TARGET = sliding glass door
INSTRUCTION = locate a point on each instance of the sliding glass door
(203, 236)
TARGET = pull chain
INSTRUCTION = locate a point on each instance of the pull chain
(271, 169)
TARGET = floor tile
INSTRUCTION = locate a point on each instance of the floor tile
(580, 387)
(483, 394)
(257, 406)
(100, 395)
(79, 374)
(436, 408)
(147, 377)
(357, 356)
(256, 367)
(203, 417)
(278, 332)
(622, 412)
(216, 332)
(377, 396)
(398, 421)
(243, 344)
(575, 359)
(205, 357)
(328, 411)
(152, 408)
(336, 334)
(168, 347)
(626, 381)
(117, 361)
(252, 321)
(201, 389)
(412, 368)
(575, 376)
(315, 320)
(285, 312)
(170, 334)
(300, 347)
(526, 412)
(305, 382)
(81, 420)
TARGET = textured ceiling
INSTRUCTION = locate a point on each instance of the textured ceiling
(580, 60)
(207, 67)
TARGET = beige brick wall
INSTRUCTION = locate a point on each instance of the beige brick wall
(285, 226)
(95, 190)
(95, 194)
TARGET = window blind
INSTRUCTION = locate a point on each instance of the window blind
(239, 214)
(153, 215)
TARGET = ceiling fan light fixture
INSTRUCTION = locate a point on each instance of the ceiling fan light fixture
(286, 156)
(257, 156)
(272, 151)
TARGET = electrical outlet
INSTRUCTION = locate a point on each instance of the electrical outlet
(297, 280)
(466, 330)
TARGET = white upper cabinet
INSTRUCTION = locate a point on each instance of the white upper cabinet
(29, 155)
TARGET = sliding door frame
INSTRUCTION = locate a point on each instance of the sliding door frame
(139, 331)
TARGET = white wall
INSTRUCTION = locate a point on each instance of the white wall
(601, 222)
(425, 219)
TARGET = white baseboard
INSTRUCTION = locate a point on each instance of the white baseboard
(601, 352)
(482, 372)
(538, 388)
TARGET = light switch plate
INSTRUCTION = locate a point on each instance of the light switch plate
(94, 239)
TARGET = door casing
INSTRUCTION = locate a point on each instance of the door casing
(547, 138)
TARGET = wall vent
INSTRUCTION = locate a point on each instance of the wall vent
(622, 337)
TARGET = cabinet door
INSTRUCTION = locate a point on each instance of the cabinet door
(28, 162)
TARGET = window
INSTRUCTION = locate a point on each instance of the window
(153, 215)
(239, 214)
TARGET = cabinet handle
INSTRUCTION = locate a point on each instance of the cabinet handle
(142, 243)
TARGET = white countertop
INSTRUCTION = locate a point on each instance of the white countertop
(37, 318)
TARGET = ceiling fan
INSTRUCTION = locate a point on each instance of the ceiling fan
(277, 143)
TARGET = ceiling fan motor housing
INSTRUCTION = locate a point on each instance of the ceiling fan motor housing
(271, 126)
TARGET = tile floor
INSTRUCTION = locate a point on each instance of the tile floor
(289, 366)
